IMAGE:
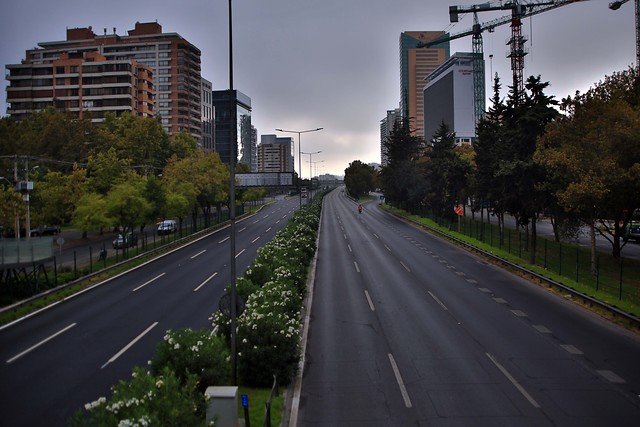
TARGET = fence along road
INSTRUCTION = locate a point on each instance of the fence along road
(407, 328)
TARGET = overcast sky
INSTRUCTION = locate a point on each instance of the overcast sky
(332, 63)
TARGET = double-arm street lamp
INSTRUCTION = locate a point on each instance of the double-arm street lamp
(299, 155)
(311, 154)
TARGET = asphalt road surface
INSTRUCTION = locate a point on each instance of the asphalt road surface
(54, 362)
(407, 329)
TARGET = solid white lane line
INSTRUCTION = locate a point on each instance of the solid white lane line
(33, 347)
(369, 300)
(239, 253)
(255, 240)
(403, 389)
(128, 346)
(514, 382)
(405, 267)
(199, 253)
(267, 230)
(438, 301)
(146, 283)
(349, 246)
(357, 268)
(204, 283)
(224, 240)
(242, 229)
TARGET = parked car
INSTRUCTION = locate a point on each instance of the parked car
(45, 230)
(633, 228)
(121, 242)
(167, 226)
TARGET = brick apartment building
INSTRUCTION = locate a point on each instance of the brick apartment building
(172, 61)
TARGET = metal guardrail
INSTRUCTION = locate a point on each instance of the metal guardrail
(630, 318)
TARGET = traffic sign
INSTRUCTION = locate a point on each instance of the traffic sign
(459, 210)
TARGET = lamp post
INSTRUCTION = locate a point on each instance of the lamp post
(315, 164)
(311, 154)
(232, 208)
(299, 154)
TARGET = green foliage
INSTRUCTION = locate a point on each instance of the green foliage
(147, 400)
(593, 154)
(187, 352)
(359, 178)
(12, 205)
(127, 206)
(91, 213)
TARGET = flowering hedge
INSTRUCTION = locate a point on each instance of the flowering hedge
(147, 400)
(269, 329)
(193, 352)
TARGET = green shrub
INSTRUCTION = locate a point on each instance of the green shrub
(147, 400)
(198, 353)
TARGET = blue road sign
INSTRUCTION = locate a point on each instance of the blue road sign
(245, 400)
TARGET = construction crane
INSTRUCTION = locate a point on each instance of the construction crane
(519, 9)
(615, 6)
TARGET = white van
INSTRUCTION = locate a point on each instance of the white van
(167, 226)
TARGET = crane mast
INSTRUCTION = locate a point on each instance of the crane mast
(615, 6)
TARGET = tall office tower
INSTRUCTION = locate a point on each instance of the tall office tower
(448, 98)
(416, 64)
(232, 112)
(174, 61)
(274, 154)
(208, 114)
(86, 83)
(387, 125)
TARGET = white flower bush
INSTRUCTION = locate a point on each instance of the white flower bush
(273, 289)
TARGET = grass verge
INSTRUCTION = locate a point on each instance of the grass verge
(258, 397)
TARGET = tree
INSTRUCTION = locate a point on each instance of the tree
(126, 205)
(91, 214)
(107, 169)
(402, 178)
(202, 177)
(595, 151)
(446, 173)
(359, 178)
(12, 207)
(182, 144)
(55, 197)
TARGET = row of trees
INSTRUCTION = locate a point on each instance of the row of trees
(130, 174)
(577, 161)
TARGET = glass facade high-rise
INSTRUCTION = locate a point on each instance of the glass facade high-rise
(415, 65)
(232, 112)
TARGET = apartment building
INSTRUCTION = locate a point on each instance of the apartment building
(84, 82)
(274, 154)
(173, 61)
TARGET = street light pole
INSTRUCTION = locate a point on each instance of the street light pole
(311, 154)
(232, 208)
(299, 155)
